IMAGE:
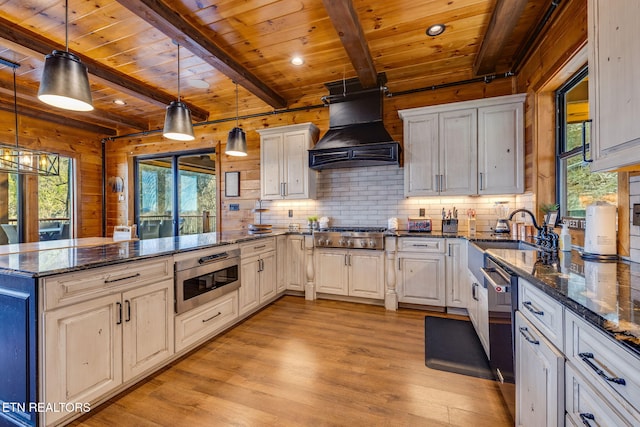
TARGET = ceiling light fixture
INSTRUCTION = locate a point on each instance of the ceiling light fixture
(177, 120)
(237, 140)
(436, 30)
(297, 60)
(24, 161)
(119, 102)
(65, 82)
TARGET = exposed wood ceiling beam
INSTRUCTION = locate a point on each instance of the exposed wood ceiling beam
(104, 118)
(345, 20)
(164, 18)
(112, 78)
(503, 21)
(30, 111)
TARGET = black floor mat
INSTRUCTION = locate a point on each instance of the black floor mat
(452, 345)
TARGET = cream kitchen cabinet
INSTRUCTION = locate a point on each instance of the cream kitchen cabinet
(421, 271)
(614, 83)
(281, 263)
(501, 149)
(294, 268)
(284, 162)
(356, 273)
(257, 275)
(465, 148)
(92, 347)
(456, 284)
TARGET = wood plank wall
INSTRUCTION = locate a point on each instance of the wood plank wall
(83, 146)
(120, 153)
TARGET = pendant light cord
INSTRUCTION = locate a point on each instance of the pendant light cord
(237, 111)
(66, 25)
(15, 104)
(178, 72)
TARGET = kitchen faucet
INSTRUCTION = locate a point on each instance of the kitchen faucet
(546, 238)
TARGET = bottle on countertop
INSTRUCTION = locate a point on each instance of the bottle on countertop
(564, 241)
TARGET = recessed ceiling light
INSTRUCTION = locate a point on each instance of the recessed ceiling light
(199, 83)
(297, 60)
(119, 102)
(436, 30)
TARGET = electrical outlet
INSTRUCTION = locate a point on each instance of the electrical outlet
(290, 213)
(636, 214)
(421, 212)
(234, 207)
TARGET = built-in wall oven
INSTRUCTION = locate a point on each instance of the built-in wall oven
(205, 277)
(502, 290)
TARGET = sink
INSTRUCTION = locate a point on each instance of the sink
(503, 244)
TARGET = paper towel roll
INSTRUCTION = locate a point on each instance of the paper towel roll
(600, 231)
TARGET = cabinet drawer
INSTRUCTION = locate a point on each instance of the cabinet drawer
(71, 288)
(421, 245)
(202, 322)
(584, 403)
(258, 246)
(590, 350)
(542, 311)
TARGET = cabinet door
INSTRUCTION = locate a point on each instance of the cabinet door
(456, 273)
(147, 333)
(614, 82)
(281, 261)
(366, 274)
(540, 378)
(501, 149)
(83, 351)
(422, 279)
(248, 293)
(332, 275)
(296, 159)
(421, 153)
(458, 152)
(267, 276)
(472, 305)
(271, 173)
(295, 266)
(483, 318)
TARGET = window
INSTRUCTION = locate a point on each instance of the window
(55, 203)
(186, 181)
(577, 186)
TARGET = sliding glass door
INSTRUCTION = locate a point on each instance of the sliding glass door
(176, 194)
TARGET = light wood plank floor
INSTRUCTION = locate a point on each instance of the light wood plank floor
(309, 363)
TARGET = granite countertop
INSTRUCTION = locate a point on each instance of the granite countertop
(605, 294)
(63, 260)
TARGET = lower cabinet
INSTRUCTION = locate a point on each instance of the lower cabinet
(92, 347)
(357, 273)
(540, 378)
(257, 275)
(456, 284)
(478, 309)
(421, 278)
(295, 267)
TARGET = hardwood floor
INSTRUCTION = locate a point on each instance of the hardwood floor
(309, 363)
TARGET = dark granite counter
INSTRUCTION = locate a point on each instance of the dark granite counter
(63, 260)
(605, 294)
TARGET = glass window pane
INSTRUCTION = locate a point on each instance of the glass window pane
(155, 189)
(197, 196)
(54, 203)
(584, 187)
(8, 208)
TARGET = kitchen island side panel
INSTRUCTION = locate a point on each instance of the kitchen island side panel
(18, 351)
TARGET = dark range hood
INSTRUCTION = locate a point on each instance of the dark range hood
(356, 135)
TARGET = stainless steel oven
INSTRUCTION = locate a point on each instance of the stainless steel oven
(206, 277)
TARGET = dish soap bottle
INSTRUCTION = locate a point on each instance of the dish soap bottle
(564, 242)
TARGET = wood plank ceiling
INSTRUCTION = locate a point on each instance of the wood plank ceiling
(130, 51)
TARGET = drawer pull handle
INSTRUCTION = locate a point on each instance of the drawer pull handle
(586, 359)
(524, 330)
(418, 245)
(212, 317)
(122, 278)
(259, 246)
(585, 417)
(531, 309)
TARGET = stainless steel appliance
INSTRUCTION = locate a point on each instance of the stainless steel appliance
(502, 295)
(205, 277)
(350, 237)
(502, 211)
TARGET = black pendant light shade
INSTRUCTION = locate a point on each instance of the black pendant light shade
(65, 82)
(177, 122)
(237, 140)
(236, 143)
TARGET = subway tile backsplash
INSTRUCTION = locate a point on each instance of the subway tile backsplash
(369, 196)
(634, 230)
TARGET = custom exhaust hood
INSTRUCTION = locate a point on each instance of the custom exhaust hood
(356, 135)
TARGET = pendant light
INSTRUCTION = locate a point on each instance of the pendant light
(177, 120)
(237, 140)
(65, 82)
(24, 161)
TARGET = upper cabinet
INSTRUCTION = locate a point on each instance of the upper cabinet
(614, 83)
(465, 148)
(284, 162)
